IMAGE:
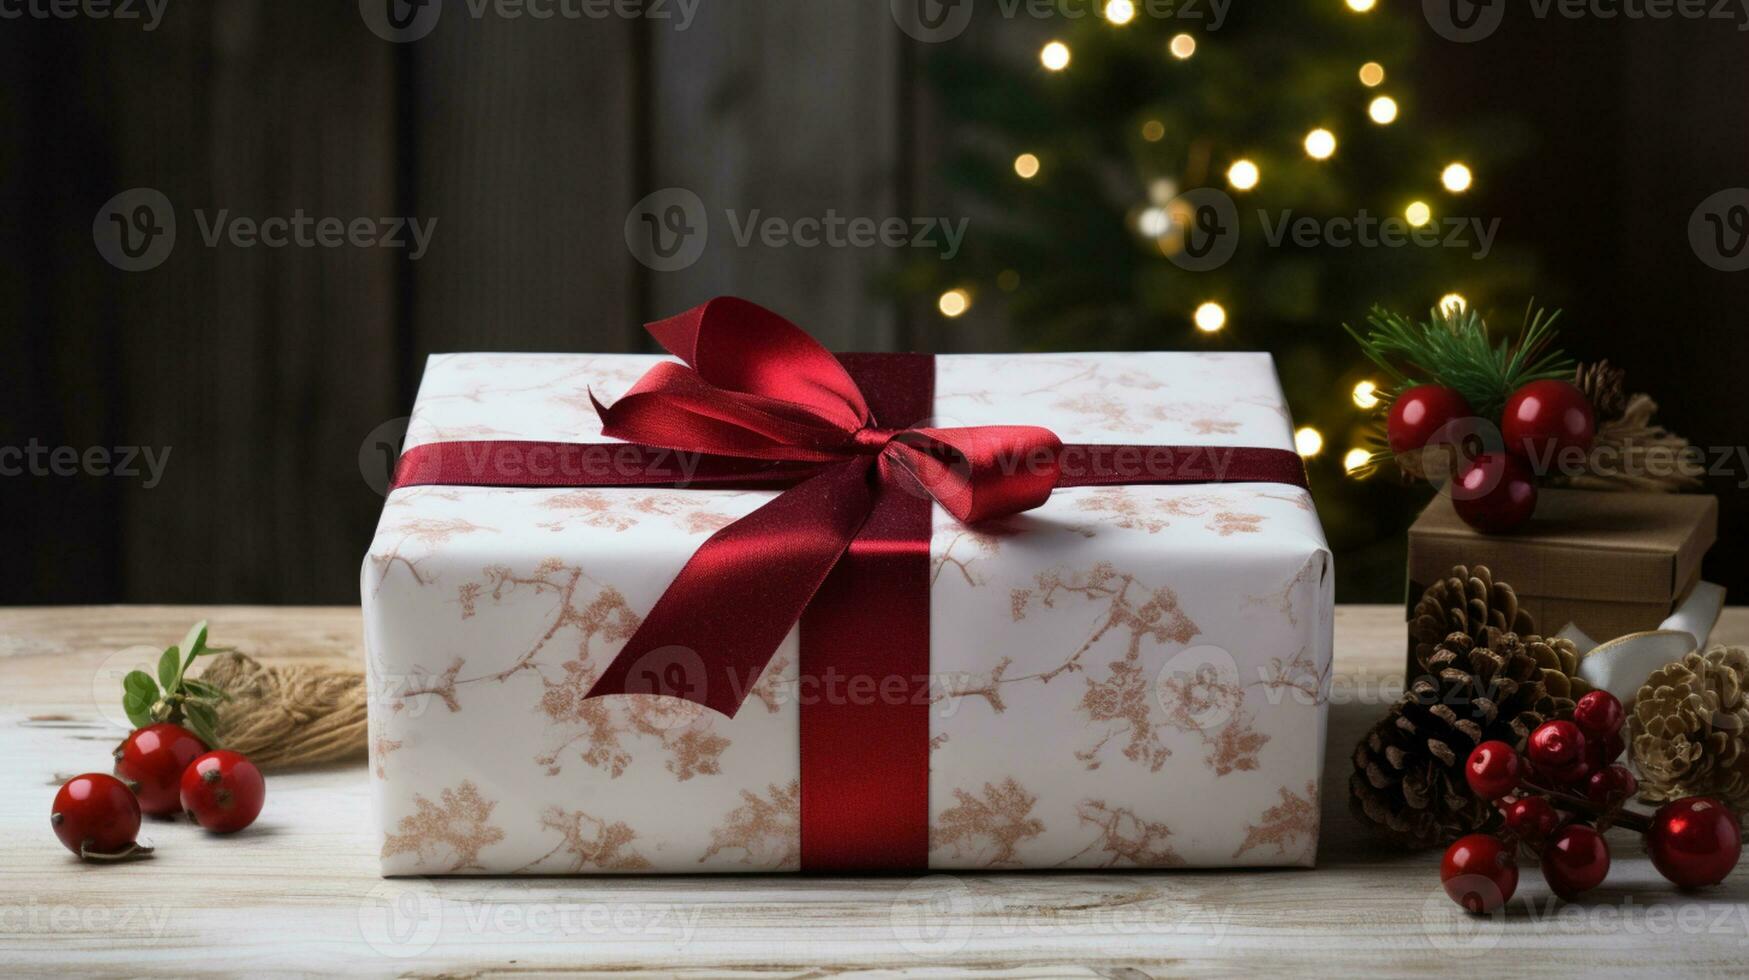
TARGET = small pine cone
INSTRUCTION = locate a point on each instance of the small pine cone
(1559, 660)
(1466, 601)
(1605, 387)
(1689, 730)
(1408, 781)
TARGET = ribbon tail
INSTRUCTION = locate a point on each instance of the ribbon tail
(715, 629)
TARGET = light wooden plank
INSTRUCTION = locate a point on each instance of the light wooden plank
(300, 891)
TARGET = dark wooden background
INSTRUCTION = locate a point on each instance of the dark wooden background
(528, 141)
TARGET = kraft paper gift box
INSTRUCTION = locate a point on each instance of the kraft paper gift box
(1608, 563)
(1127, 676)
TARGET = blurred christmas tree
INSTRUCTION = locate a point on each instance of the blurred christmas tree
(1093, 143)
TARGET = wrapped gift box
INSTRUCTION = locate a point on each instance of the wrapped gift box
(1126, 676)
(1608, 563)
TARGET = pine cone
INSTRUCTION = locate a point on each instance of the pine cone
(1559, 660)
(1605, 387)
(1469, 601)
(1689, 730)
(1408, 780)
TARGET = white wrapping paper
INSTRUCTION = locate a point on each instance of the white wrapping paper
(1124, 677)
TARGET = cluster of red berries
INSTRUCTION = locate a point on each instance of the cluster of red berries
(1558, 801)
(163, 769)
(1496, 491)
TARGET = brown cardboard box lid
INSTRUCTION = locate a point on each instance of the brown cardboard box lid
(1584, 544)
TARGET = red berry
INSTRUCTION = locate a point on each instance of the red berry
(1694, 841)
(95, 815)
(1611, 785)
(1479, 873)
(1558, 750)
(1576, 860)
(223, 791)
(1532, 818)
(1495, 493)
(1419, 414)
(151, 759)
(1493, 770)
(1599, 713)
(1544, 417)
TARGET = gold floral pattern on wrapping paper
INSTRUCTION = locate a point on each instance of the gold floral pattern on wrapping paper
(427, 531)
(988, 828)
(1103, 374)
(1300, 675)
(1104, 411)
(766, 830)
(598, 730)
(381, 747)
(970, 545)
(459, 827)
(1125, 838)
(1293, 820)
(1283, 601)
(1124, 702)
(589, 842)
(688, 510)
(573, 376)
(1202, 418)
(1218, 512)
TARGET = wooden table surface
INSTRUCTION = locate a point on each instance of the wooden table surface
(299, 891)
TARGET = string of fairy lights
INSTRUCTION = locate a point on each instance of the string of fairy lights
(1242, 175)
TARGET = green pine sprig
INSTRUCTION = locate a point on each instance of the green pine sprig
(173, 696)
(1452, 348)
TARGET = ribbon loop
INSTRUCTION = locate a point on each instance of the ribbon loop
(754, 385)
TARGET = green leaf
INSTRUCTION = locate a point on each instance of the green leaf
(194, 643)
(205, 722)
(139, 710)
(169, 668)
(139, 693)
(203, 689)
(140, 684)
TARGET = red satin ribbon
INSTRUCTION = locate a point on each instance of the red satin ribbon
(844, 549)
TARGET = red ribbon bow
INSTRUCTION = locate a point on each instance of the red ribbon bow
(756, 386)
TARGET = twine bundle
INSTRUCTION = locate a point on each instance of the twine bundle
(288, 716)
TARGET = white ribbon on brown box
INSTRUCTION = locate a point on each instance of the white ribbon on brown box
(1621, 665)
